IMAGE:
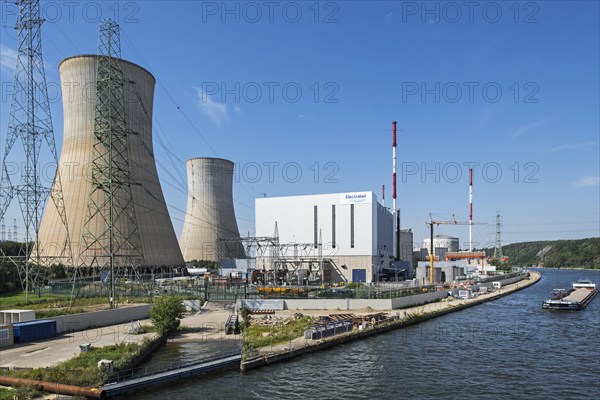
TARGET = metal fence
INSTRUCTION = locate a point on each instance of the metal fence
(208, 291)
(163, 367)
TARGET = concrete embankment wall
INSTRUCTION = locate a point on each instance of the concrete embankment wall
(340, 339)
(380, 304)
(418, 299)
(98, 319)
(358, 304)
(337, 304)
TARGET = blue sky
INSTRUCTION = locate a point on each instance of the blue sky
(314, 87)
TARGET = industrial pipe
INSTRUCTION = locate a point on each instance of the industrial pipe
(55, 388)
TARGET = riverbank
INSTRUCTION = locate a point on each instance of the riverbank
(209, 324)
(403, 318)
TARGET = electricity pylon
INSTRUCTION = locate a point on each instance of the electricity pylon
(498, 247)
(111, 237)
(31, 122)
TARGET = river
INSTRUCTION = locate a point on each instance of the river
(505, 349)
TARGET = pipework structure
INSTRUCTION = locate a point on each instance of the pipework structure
(31, 122)
(210, 231)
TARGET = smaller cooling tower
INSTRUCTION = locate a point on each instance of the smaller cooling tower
(210, 215)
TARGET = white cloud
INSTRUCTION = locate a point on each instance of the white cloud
(388, 17)
(569, 146)
(237, 108)
(529, 127)
(217, 112)
(587, 181)
(8, 58)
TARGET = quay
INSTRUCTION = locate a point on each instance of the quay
(138, 379)
(133, 380)
(298, 347)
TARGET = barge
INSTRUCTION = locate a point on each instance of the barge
(573, 299)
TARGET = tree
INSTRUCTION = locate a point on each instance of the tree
(246, 312)
(166, 313)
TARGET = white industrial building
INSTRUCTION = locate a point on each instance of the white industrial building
(349, 236)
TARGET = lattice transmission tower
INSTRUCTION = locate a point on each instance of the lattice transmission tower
(498, 246)
(30, 122)
(111, 239)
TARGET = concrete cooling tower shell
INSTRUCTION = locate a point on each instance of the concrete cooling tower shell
(78, 80)
(210, 215)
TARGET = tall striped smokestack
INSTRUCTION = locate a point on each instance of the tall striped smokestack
(471, 209)
(396, 224)
(394, 167)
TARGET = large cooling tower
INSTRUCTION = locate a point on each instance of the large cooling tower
(156, 234)
(210, 215)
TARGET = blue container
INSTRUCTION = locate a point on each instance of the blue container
(30, 331)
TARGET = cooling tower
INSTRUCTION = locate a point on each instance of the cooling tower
(156, 234)
(210, 215)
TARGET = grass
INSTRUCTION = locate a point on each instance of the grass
(264, 335)
(147, 328)
(21, 393)
(48, 306)
(83, 370)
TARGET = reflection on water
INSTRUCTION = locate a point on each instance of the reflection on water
(506, 349)
(190, 352)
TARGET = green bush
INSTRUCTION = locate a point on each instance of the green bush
(246, 312)
(166, 313)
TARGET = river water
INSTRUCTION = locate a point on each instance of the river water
(505, 349)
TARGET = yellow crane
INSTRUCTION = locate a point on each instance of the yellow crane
(433, 222)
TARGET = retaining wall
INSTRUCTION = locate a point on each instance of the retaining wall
(337, 304)
(418, 299)
(359, 304)
(348, 337)
(98, 319)
(379, 304)
(505, 282)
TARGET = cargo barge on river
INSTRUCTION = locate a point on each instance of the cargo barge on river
(577, 298)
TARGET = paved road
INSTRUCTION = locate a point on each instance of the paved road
(51, 352)
(208, 325)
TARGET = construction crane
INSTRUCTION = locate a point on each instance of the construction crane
(433, 222)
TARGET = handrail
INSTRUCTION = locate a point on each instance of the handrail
(141, 372)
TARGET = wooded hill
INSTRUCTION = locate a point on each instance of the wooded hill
(580, 253)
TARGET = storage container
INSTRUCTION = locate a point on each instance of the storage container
(14, 316)
(25, 332)
(6, 335)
